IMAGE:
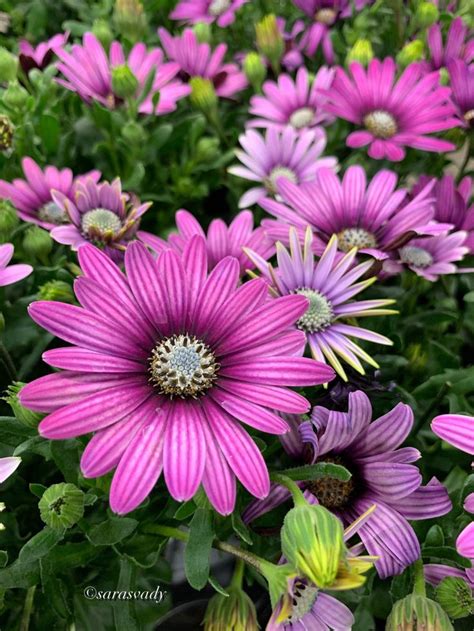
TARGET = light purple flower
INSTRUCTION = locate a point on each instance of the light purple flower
(298, 102)
(465, 542)
(87, 70)
(329, 284)
(395, 113)
(456, 46)
(462, 86)
(199, 60)
(166, 363)
(10, 274)
(294, 44)
(221, 240)
(374, 218)
(32, 197)
(42, 55)
(9, 464)
(220, 11)
(383, 473)
(455, 429)
(288, 154)
(436, 572)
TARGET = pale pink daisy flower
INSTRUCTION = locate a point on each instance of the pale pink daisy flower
(10, 274)
(207, 11)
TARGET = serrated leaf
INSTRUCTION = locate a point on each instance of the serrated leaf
(112, 531)
(317, 471)
(198, 548)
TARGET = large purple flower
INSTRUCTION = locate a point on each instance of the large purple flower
(32, 197)
(383, 473)
(221, 240)
(42, 55)
(220, 11)
(373, 218)
(395, 113)
(462, 85)
(166, 363)
(10, 274)
(456, 46)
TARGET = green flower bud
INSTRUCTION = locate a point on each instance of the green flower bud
(15, 96)
(235, 612)
(101, 30)
(6, 133)
(124, 82)
(202, 32)
(413, 51)
(255, 70)
(62, 505)
(207, 149)
(362, 52)
(455, 597)
(130, 19)
(37, 243)
(24, 415)
(56, 290)
(269, 39)
(417, 613)
(203, 95)
(8, 65)
(426, 14)
(8, 219)
(134, 133)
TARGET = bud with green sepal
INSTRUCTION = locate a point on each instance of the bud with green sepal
(130, 19)
(124, 82)
(207, 149)
(255, 70)
(8, 65)
(235, 612)
(202, 32)
(56, 290)
(101, 30)
(134, 133)
(362, 52)
(15, 96)
(418, 613)
(455, 597)
(37, 244)
(270, 41)
(426, 14)
(62, 506)
(8, 220)
(6, 133)
(203, 95)
(24, 415)
(411, 52)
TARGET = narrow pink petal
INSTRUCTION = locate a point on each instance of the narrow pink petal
(456, 429)
(218, 480)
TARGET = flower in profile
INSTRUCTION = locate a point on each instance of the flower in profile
(207, 11)
(32, 196)
(462, 86)
(166, 363)
(298, 102)
(291, 154)
(198, 60)
(383, 473)
(221, 239)
(394, 113)
(375, 218)
(100, 213)
(455, 47)
(8, 465)
(416, 611)
(329, 284)
(88, 71)
(42, 55)
(10, 274)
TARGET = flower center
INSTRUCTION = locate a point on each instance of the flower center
(331, 492)
(381, 124)
(277, 172)
(52, 213)
(302, 117)
(304, 597)
(326, 16)
(318, 315)
(219, 6)
(183, 366)
(469, 117)
(418, 257)
(355, 238)
(100, 224)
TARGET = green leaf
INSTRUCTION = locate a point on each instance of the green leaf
(469, 297)
(402, 585)
(198, 548)
(38, 489)
(49, 131)
(318, 470)
(66, 456)
(3, 558)
(125, 618)
(110, 532)
(35, 444)
(241, 529)
(185, 510)
(69, 555)
(444, 553)
(20, 575)
(434, 536)
(217, 586)
(40, 544)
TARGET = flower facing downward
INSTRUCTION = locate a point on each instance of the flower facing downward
(207, 11)
(166, 363)
(10, 274)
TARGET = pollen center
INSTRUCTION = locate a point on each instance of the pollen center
(355, 238)
(52, 213)
(100, 224)
(381, 124)
(331, 492)
(302, 117)
(183, 366)
(418, 257)
(219, 6)
(277, 172)
(326, 16)
(319, 314)
(304, 597)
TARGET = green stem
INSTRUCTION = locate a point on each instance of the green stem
(8, 362)
(166, 531)
(419, 586)
(467, 157)
(296, 492)
(27, 609)
(238, 576)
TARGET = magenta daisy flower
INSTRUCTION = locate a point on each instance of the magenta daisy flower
(166, 363)
(298, 102)
(32, 197)
(395, 113)
(221, 240)
(291, 154)
(456, 46)
(329, 284)
(198, 60)
(373, 218)
(87, 70)
(383, 473)
(8, 466)
(462, 85)
(42, 55)
(220, 11)
(10, 274)
(100, 213)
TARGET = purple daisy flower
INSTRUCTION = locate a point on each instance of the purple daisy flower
(462, 85)
(221, 240)
(42, 55)
(329, 284)
(382, 473)
(456, 46)
(373, 218)
(220, 11)
(88, 71)
(166, 363)
(198, 60)
(290, 154)
(298, 102)
(436, 572)
(99, 213)
(32, 197)
(10, 274)
(395, 113)
(294, 44)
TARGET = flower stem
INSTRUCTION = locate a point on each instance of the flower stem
(283, 480)
(238, 576)
(419, 586)
(7, 361)
(27, 609)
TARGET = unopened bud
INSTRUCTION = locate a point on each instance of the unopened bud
(255, 70)
(202, 32)
(207, 149)
(101, 30)
(269, 39)
(411, 52)
(426, 14)
(15, 96)
(124, 82)
(235, 612)
(62, 506)
(57, 290)
(6, 133)
(130, 19)
(133, 133)
(8, 65)
(361, 52)
(8, 220)
(37, 243)
(203, 95)
(24, 415)
(455, 597)
(418, 613)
